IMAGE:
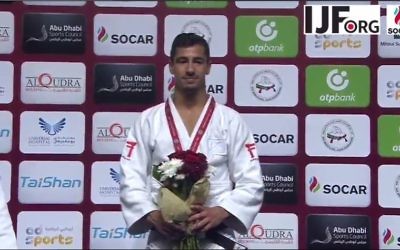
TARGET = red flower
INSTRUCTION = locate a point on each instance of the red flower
(195, 164)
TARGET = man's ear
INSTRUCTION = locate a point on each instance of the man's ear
(208, 66)
(171, 67)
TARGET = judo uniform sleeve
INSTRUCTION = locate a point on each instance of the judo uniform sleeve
(245, 200)
(7, 234)
(135, 161)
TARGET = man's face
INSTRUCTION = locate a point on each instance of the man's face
(190, 67)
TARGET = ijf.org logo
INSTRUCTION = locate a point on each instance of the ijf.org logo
(337, 135)
(314, 185)
(102, 35)
(198, 27)
(393, 20)
(388, 237)
(266, 31)
(344, 19)
(266, 85)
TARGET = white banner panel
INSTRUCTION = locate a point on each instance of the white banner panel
(266, 85)
(108, 231)
(272, 231)
(274, 134)
(110, 130)
(105, 182)
(52, 132)
(115, 35)
(327, 186)
(49, 230)
(6, 82)
(53, 83)
(214, 29)
(337, 135)
(48, 182)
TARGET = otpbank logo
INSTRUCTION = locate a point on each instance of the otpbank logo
(393, 19)
(337, 86)
(266, 36)
(389, 135)
(343, 19)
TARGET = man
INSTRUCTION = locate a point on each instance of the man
(191, 119)
(7, 235)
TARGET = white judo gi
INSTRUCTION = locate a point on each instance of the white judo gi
(236, 183)
(7, 234)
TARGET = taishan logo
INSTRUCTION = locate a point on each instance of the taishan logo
(344, 19)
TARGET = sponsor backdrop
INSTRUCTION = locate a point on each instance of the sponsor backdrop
(74, 75)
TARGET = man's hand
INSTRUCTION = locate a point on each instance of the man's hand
(206, 218)
(170, 230)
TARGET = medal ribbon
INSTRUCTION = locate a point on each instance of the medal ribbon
(200, 132)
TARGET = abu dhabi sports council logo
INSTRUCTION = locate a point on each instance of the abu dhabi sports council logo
(125, 83)
(113, 87)
(314, 185)
(52, 129)
(198, 27)
(54, 33)
(393, 20)
(266, 85)
(266, 31)
(102, 35)
(280, 183)
(327, 239)
(343, 19)
(388, 237)
(338, 232)
(40, 38)
(337, 135)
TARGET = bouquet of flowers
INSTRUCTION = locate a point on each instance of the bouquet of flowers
(184, 181)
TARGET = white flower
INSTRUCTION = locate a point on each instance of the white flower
(179, 177)
(169, 168)
(210, 170)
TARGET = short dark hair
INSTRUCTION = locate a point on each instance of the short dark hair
(184, 40)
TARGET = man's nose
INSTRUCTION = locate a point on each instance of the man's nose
(190, 68)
